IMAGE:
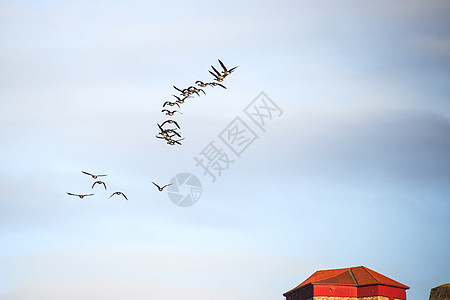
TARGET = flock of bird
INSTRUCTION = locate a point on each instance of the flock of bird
(171, 135)
(102, 183)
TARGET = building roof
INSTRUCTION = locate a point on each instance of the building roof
(441, 292)
(355, 276)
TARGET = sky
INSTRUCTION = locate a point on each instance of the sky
(351, 166)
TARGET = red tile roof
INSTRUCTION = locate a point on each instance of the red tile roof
(355, 276)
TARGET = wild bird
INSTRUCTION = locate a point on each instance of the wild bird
(183, 92)
(196, 90)
(92, 175)
(120, 194)
(170, 122)
(81, 196)
(217, 84)
(99, 182)
(173, 142)
(171, 103)
(161, 188)
(213, 84)
(201, 83)
(179, 100)
(217, 75)
(165, 132)
(170, 113)
(226, 71)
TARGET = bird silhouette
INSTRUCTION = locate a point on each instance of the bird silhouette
(99, 182)
(195, 90)
(170, 122)
(92, 175)
(170, 113)
(173, 142)
(181, 101)
(226, 71)
(119, 193)
(218, 76)
(213, 84)
(171, 103)
(80, 196)
(161, 188)
(183, 92)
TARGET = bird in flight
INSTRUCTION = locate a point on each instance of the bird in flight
(173, 142)
(92, 175)
(171, 103)
(161, 188)
(80, 196)
(170, 113)
(170, 122)
(193, 89)
(119, 193)
(217, 76)
(226, 71)
(181, 101)
(99, 182)
(184, 92)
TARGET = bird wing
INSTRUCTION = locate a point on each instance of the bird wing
(71, 194)
(156, 185)
(124, 196)
(213, 74)
(223, 66)
(167, 185)
(215, 70)
(86, 173)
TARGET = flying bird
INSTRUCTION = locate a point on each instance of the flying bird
(119, 193)
(179, 100)
(99, 182)
(201, 83)
(92, 175)
(226, 71)
(215, 84)
(161, 188)
(173, 142)
(218, 76)
(195, 90)
(170, 113)
(170, 103)
(170, 122)
(183, 92)
(80, 196)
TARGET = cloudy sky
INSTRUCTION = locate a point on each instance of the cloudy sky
(352, 168)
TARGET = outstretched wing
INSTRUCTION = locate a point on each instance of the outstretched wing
(156, 185)
(223, 66)
(87, 173)
(215, 70)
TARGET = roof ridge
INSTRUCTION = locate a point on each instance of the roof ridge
(353, 277)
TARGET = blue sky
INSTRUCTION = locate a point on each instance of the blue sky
(354, 172)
